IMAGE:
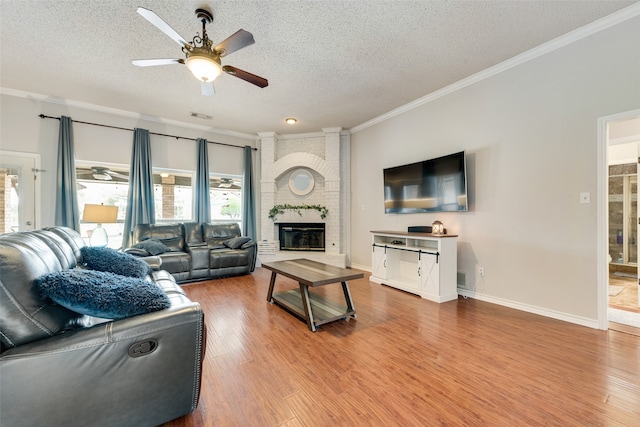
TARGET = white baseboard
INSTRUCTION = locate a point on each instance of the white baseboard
(578, 320)
(361, 267)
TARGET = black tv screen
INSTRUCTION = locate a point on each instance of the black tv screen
(434, 185)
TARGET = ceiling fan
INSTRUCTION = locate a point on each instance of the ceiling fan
(101, 174)
(201, 57)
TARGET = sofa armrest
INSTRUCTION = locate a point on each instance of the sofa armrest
(252, 247)
(136, 252)
(154, 261)
(249, 244)
(142, 370)
(196, 245)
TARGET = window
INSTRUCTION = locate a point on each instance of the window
(226, 198)
(101, 185)
(173, 196)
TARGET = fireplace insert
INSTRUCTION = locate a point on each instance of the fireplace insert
(301, 236)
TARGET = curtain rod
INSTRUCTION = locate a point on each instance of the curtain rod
(42, 116)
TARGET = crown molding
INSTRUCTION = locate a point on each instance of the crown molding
(122, 113)
(571, 37)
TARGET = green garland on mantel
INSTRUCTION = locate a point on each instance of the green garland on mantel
(279, 209)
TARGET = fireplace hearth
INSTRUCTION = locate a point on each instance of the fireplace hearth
(302, 236)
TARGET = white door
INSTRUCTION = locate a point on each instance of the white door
(18, 181)
(379, 263)
(429, 272)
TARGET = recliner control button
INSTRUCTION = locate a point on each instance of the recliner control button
(143, 348)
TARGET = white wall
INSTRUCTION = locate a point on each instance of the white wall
(531, 139)
(23, 131)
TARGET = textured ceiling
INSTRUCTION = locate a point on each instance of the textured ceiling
(329, 63)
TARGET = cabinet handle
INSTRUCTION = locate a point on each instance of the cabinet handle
(419, 272)
(385, 263)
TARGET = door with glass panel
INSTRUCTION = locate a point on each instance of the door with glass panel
(17, 192)
(623, 214)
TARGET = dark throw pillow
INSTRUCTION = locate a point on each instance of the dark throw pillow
(102, 294)
(236, 242)
(112, 261)
(152, 246)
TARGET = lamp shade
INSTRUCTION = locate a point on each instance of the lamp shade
(100, 214)
(203, 67)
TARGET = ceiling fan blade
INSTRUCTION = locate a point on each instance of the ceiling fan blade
(207, 88)
(161, 25)
(246, 76)
(236, 41)
(154, 62)
(119, 175)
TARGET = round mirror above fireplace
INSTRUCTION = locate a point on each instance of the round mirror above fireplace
(301, 182)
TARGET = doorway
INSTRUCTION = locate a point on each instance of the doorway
(622, 153)
(18, 191)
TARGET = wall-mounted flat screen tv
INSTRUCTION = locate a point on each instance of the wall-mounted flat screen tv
(434, 185)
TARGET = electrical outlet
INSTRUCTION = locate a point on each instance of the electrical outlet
(481, 271)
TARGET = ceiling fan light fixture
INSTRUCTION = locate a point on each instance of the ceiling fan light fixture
(203, 67)
(102, 176)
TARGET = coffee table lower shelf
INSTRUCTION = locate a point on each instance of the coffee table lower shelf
(322, 310)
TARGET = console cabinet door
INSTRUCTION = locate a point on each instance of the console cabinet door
(429, 272)
(379, 264)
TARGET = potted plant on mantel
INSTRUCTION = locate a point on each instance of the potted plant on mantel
(279, 209)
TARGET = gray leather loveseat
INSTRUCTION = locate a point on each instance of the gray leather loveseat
(196, 251)
(62, 368)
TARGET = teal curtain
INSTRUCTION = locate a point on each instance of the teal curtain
(248, 203)
(140, 203)
(202, 200)
(67, 212)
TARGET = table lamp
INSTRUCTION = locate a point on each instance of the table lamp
(99, 214)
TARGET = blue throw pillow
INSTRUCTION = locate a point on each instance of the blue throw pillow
(236, 242)
(102, 294)
(152, 246)
(112, 261)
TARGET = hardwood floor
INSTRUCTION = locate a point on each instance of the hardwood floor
(405, 361)
(627, 299)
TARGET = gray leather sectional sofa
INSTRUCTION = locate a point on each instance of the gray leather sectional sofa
(196, 251)
(59, 367)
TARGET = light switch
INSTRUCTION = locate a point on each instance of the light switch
(585, 197)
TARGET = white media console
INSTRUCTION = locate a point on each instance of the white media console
(420, 263)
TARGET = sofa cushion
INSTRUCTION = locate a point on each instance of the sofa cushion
(225, 258)
(215, 234)
(102, 294)
(192, 233)
(176, 262)
(236, 242)
(112, 261)
(152, 246)
(171, 235)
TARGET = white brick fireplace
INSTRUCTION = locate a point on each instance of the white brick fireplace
(326, 156)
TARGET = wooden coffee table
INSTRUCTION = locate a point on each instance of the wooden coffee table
(314, 309)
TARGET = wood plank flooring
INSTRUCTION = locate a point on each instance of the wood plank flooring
(628, 298)
(405, 361)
